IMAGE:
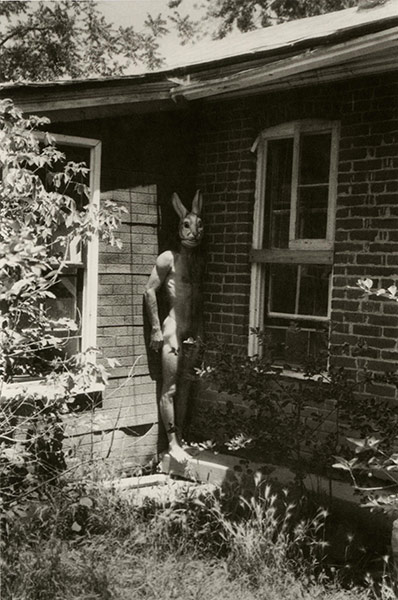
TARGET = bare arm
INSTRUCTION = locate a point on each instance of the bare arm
(159, 273)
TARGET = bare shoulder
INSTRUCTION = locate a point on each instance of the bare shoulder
(165, 260)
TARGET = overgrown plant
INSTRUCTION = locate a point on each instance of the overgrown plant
(189, 543)
(44, 209)
(301, 422)
(278, 418)
(373, 463)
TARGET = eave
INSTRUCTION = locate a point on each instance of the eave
(369, 54)
(72, 100)
(327, 48)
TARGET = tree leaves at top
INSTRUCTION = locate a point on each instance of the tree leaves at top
(252, 14)
(70, 39)
(63, 39)
(221, 17)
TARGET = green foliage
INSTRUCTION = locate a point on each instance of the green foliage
(40, 218)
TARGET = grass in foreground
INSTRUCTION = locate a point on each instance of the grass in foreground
(95, 544)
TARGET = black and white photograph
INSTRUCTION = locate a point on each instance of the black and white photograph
(199, 299)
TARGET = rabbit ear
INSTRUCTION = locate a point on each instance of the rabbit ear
(197, 203)
(178, 206)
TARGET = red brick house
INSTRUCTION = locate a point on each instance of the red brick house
(291, 133)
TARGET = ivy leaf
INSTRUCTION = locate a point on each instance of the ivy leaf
(344, 464)
(113, 363)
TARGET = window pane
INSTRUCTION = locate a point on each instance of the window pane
(68, 293)
(283, 285)
(314, 158)
(77, 188)
(293, 345)
(314, 290)
(278, 193)
(299, 290)
(312, 212)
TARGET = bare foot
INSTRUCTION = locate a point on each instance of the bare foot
(179, 454)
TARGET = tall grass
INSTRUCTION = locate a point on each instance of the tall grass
(89, 542)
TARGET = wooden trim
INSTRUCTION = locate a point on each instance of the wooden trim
(308, 245)
(333, 175)
(297, 316)
(90, 288)
(294, 185)
(286, 256)
(256, 308)
(66, 140)
(346, 71)
(288, 130)
(67, 98)
(310, 60)
(90, 284)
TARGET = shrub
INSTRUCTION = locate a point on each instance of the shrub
(43, 211)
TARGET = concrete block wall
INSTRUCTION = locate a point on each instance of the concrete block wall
(124, 429)
(129, 402)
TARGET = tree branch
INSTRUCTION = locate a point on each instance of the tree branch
(21, 31)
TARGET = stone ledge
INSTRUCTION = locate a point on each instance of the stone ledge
(207, 467)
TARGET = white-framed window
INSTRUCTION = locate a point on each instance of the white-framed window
(293, 234)
(77, 289)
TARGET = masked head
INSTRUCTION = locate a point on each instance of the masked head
(190, 226)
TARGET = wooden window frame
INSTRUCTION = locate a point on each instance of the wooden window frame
(299, 251)
(90, 265)
(90, 281)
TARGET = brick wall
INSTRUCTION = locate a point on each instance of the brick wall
(364, 331)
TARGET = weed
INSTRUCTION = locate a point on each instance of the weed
(199, 544)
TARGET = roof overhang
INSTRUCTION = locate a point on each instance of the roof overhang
(370, 54)
(327, 48)
(71, 100)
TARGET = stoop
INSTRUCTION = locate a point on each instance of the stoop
(204, 467)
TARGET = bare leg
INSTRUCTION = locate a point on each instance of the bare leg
(189, 354)
(170, 359)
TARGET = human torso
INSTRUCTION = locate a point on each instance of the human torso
(183, 291)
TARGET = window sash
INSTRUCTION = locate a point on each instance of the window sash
(90, 260)
(304, 251)
(294, 131)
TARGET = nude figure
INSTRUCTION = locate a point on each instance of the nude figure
(180, 273)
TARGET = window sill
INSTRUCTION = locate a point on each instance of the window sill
(36, 386)
(290, 256)
(291, 374)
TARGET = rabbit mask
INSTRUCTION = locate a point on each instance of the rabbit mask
(190, 227)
